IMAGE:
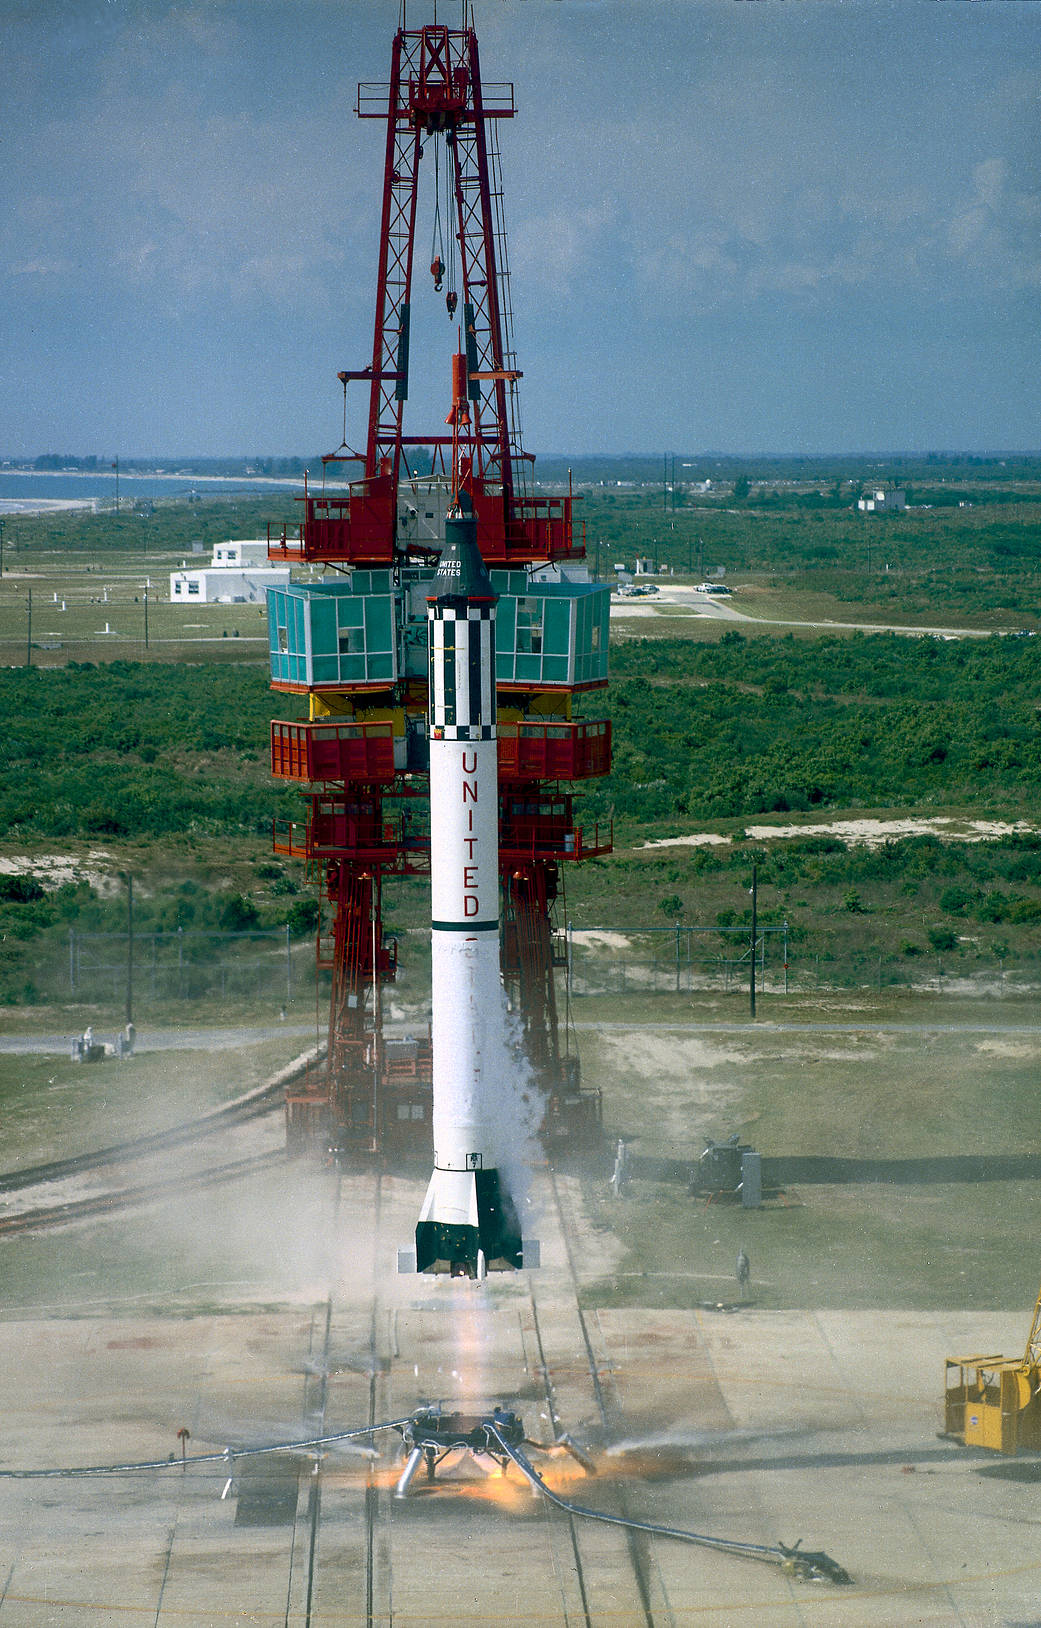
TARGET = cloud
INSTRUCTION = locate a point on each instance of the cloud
(562, 250)
(41, 270)
(770, 173)
(993, 232)
(145, 181)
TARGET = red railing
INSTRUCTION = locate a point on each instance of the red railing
(339, 829)
(356, 525)
(545, 526)
(554, 751)
(326, 750)
(359, 526)
(552, 839)
(289, 837)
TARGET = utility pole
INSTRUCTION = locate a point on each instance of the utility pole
(753, 941)
(146, 615)
(29, 632)
(130, 948)
(1, 546)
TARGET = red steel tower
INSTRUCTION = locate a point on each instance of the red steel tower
(354, 642)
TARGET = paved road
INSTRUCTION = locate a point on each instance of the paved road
(724, 611)
(45, 1045)
(158, 1039)
(767, 1027)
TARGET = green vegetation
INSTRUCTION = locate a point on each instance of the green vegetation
(125, 750)
(166, 525)
(752, 726)
(167, 769)
(163, 759)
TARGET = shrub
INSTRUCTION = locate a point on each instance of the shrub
(954, 901)
(302, 917)
(20, 889)
(239, 915)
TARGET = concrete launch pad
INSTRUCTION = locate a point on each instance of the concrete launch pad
(748, 1424)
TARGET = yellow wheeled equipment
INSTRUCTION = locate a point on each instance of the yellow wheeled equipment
(994, 1401)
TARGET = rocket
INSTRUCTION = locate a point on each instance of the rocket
(468, 1224)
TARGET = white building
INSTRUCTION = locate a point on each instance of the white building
(239, 574)
(882, 498)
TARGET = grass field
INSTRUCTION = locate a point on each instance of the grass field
(89, 576)
(85, 612)
(972, 568)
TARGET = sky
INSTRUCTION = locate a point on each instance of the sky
(734, 225)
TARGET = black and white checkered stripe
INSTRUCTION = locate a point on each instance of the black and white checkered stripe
(462, 672)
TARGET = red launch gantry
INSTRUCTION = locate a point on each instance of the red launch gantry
(354, 642)
(435, 106)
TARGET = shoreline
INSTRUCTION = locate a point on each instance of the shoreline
(172, 485)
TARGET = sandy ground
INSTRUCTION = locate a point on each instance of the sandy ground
(868, 833)
(55, 870)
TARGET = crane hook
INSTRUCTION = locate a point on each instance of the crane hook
(437, 272)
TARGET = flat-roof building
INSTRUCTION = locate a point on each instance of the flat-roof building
(239, 574)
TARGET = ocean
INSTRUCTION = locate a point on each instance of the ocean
(37, 493)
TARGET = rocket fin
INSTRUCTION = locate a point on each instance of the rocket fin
(468, 1214)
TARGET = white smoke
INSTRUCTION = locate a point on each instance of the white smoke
(517, 1104)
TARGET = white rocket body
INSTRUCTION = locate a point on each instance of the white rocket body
(464, 886)
(467, 1224)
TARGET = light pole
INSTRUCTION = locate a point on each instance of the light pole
(754, 937)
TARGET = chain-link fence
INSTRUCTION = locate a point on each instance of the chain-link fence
(181, 965)
(684, 960)
(188, 965)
